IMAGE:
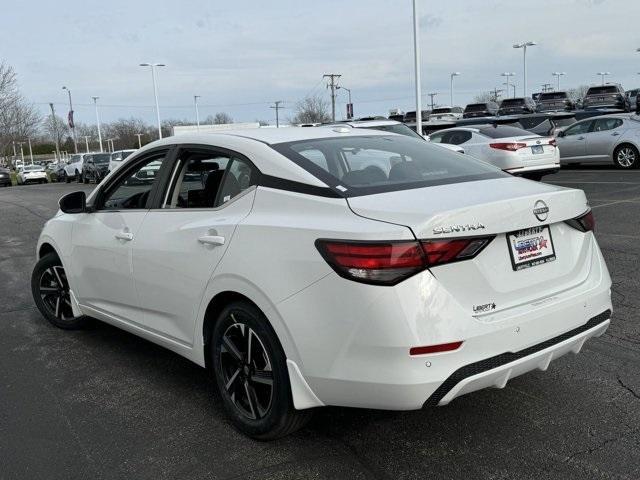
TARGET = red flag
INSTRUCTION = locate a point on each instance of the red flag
(70, 119)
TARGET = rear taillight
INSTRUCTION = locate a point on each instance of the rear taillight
(510, 146)
(584, 223)
(442, 347)
(552, 142)
(388, 263)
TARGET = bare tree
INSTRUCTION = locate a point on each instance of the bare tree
(577, 94)
(313, 109)
(18, 119)
(486, 97)
(124, 131)
(220, 118)
(54, 128)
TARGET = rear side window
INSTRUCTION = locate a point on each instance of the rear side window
(603, 124)
(453, 137)
(366, 165)
(578, 128)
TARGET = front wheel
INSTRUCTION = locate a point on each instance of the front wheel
(50, 290)
(251, 374)
(626, 157)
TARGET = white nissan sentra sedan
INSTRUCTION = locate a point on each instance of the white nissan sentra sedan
(328, 266)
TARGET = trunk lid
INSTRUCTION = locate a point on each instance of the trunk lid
(488, 283)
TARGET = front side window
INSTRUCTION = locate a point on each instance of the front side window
(208, 180)
(578, 128)
(132, 190)
(375, 164)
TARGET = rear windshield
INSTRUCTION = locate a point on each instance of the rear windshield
(600, 90)
(553, 96)
(476, 107)
(442, 110)
(365, 165)
(508, 102)
(101, 158)
(400, 129)
(33, 168)
(503, 131)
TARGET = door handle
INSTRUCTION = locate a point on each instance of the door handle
(126, 236)
(211, 240)
(580, 138)
(615, 134)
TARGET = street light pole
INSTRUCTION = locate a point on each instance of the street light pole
(416, 61)
(558, 75)
(602, 75)
(86, 142)
(195, 103)
(30, 151)
(350, 108)
(453, 74)
(524, 46)
(139, 142)
(155, 91)
(72, 122)
(507, 75)
(95, 102)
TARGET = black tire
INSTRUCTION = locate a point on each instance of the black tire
(78, 177)
(66, 178)
(254, 387)
(626, 157)
(50, 291)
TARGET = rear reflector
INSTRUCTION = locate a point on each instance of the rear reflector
(388, 263)
(584, 223)
(511, 146)
(443, 347)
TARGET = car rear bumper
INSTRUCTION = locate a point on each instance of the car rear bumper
(353, 340)
(538, 169)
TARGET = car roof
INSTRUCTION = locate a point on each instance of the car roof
(273, 136)
(367, 123)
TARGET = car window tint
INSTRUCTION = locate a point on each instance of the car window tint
(132, 190)
(240, 176)
(603, 124)
(198, 180)
(316, 156)
(578, 128)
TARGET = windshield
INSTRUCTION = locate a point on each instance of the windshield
(441, 110)
(33, 168)
(400, 129)
(366, 165)
(101, 158)
(504, 131)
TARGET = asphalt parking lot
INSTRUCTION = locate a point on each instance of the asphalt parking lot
(101, 403)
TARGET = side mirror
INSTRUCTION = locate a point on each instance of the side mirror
(560, 133)
(74, 202)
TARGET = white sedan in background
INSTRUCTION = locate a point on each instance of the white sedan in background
(328, 266)
(511, 149)
(31, 174)
(117, 157)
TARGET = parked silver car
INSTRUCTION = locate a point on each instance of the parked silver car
(605, 139)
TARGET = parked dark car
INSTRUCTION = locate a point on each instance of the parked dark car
(518, 105)
(555, 102)
(96, 167)
(411, 116)
(5, 177)
(486, 109)
(606, 96)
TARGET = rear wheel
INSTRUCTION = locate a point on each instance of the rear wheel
(626, 157)
(66, 178)
(251, 373)
(50, 290)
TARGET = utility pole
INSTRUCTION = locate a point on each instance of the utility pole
(547, 87)
(432, 95)
(72, 121)
(139, 142)
(333, 77)
(55, 127)
(496, 92)
(95, 102)
(276, 106)
(30, 151)
(416, 65)
(195, 103)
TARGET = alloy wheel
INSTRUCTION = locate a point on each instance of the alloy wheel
(54, 291)
(246, 369)
(626, 157)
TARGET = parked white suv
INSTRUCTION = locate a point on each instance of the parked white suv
(117, 157)
(73, 168)
(328, 266)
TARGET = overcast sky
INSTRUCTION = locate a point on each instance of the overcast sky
(240, 56)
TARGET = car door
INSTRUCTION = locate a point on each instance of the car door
(604, 136)
(102, 241)
(572, 143)
(183, 239)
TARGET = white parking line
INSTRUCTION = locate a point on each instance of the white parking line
(629, 200)
(600, 183)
